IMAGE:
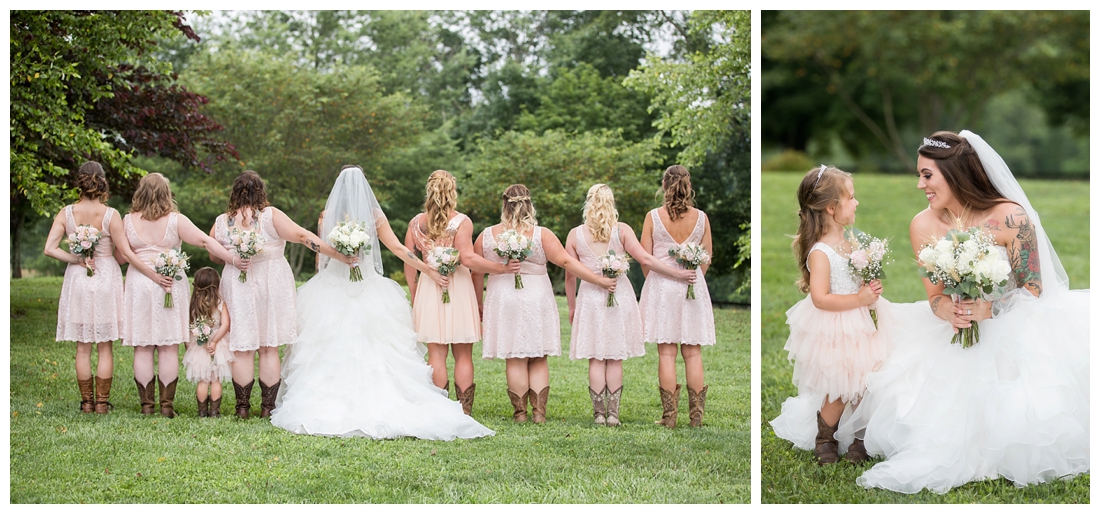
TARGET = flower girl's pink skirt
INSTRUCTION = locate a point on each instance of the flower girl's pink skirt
(203, 367)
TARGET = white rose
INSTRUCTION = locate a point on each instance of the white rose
(927, 255)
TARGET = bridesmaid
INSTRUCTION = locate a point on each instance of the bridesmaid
(458, 323)
(89, 311)
(155, 226)
(262, 307)
(606, 335)
(522, 326)
(669, 318)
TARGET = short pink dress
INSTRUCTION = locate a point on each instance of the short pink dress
(520, 323)
(90, 308)
(146, 321)
(262, 308)
(602, 332)
(667, 315)
(457, 321)
(203, 367)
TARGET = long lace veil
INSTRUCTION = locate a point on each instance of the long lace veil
(353, 200)
(1050, 267)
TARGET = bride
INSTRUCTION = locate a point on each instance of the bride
(1015, 404)
(356, 368)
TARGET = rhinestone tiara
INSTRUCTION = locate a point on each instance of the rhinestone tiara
(935, 143)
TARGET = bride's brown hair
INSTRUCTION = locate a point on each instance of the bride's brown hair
(962, 169)
(819, 190)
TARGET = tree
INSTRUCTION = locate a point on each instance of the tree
(81, 83)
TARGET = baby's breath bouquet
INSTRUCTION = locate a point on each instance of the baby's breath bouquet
(866, 260)
(513, 245)
(171, 264)
(348, 238)
(613, 265)
(690, 256)
(83, 242)
(443, 259)
(246, 243)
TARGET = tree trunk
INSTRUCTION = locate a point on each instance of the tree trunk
(17, 221)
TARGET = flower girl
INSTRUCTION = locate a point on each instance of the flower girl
(207, 359)
(833, 343)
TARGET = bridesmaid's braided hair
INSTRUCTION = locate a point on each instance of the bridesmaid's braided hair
(440, 198)
(92, 181)
(600, 215)
(204, 297)
(679, 196)
(821, 188)
(518, 212)
(249, 191)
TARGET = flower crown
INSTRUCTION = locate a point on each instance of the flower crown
(935, 143)
(517, 199)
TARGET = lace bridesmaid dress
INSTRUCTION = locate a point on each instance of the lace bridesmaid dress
(520, 323)
(146, 320)
(667, 315)
(90, 308)
(261, 308)
(602, 332)
(203, 367)
(436, 322)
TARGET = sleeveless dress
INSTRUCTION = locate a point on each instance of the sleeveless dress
(520, 323)
(261, 309)
(90, 308)
(1014, 405)
(203, 367)
(667, 315)
(602, 332)
(146, 320)
(833, 353)
(436, 322)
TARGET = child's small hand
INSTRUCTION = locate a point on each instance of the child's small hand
(211, 347)
(868, 295)
(876, 286)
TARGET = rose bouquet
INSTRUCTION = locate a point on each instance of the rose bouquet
(246, 243)
(83, 242)
(348, 238)
(202, 328)
(967, 266)
(171, 264)
(690, 256)
(866, 260)
(513, 245)
(443, 259)
(613, 265)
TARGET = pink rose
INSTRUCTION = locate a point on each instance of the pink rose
(859, 259)
(85, 244)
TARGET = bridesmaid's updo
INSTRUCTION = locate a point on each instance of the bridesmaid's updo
(92, 181)
(676, 184)
(153, 198)
(518, 211)
(249, 192)
(440, 198)
(962, 169)
(600, 215)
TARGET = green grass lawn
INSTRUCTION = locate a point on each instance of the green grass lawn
(59, 455)
(886, 206)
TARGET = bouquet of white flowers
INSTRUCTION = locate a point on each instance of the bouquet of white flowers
(348, 238)
(171, 264)
(83, 242)
(513, 245)
(866, 260)
(443, 259)
(967, 266)
(690, 256)
(614, 266)
(203, 328)
(246, 243)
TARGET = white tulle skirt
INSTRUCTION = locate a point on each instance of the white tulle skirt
(1016, 405)
(357, 370)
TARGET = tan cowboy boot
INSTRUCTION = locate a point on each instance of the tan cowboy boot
(697, 402)
(599, 405)
(146, 396)
(466, 398)
(102, 394)
(519, 406)
(538, 404)
(613, 405)
(87, 395)
(670, 402)
(167, 395)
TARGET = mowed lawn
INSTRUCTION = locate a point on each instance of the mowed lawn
(59, 455)
(886, 205)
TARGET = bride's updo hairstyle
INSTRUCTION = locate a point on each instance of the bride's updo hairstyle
(92, 181)
(679, 196)
(248, 192)
(440, 198)
(962, 169)
(821, 188)
(600, 215)
(517, 212)
(153, 198)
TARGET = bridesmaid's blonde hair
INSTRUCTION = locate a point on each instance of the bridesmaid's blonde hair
(600, 215)
(518, 212)
(153, 198)
(440, 198)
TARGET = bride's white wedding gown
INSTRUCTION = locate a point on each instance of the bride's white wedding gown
(357, 370)
(1015, 405)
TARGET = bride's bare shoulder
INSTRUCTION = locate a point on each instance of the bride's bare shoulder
(924, 221)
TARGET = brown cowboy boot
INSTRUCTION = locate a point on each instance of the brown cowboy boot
(670, 402)
(825, 447)
(466, 398)
(102, 394)
(696, 404)
(519, 406)
(244, 398)
(613, 405)
(146, 396)
(599, 405)
(204, 406)
(267, 398)
(857, 453)
(538, 404)
(87, 395)
(167, 395)
(214, 407)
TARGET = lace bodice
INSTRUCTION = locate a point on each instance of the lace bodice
(148, 252)
(587, 256)
(841, 280)
(425, 244)
(533, 265)
(273, 246)
(105, 247)
(662, 240)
